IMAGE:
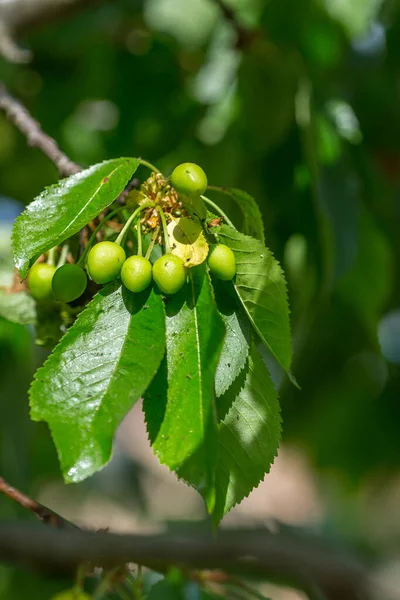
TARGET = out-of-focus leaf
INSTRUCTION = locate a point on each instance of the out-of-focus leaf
(18, 307)
(367, 286)
(167, 590)
(72, 594)
(355, 16)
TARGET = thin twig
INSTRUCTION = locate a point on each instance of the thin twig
(48, 516)
(34, 134)
(22, 16)
(37, 138)
(244, 37)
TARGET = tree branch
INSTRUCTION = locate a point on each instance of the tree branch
(255, 553)
(36, 138)
(244, 37)
(19, 15)
(48, 516)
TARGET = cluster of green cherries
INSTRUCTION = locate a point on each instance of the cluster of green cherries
(107, 260)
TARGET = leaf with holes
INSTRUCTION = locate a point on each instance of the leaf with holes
(180, 404)
(186, 239)
(64, 208)
(261, 288)
(100, 368)
(248, 437)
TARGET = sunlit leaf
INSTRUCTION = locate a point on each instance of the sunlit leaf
(248, 437)
(180, 404)
(186, 239)
(237, 339)
(64, 208)
(261, 288)
(100, 368)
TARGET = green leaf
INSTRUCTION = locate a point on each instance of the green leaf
(61, 210)
(261, 287)
(237, 339)
(187, 241)
(94, 376)
(248, 438)
(180, 404)
(252, 218)
(18, 307)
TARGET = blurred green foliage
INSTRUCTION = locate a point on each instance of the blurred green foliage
(306, 119)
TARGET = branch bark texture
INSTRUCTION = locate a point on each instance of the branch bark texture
(36, 138)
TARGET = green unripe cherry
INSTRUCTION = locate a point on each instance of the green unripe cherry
(69, 282)
(105, 261)
(189, 179)
(222, 262)
(169, 273)
(39, 280)
(136, 273)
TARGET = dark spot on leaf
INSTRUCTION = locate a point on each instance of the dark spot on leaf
(105, 180)
(229, 364)
(158, 395)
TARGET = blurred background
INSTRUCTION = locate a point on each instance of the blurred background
(305, 116)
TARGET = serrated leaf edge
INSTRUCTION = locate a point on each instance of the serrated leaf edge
(286, 295)
(275, 455)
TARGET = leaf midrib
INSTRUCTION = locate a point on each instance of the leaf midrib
(90, 200)
(196, 326)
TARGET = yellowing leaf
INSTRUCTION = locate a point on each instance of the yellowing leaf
(187, 241)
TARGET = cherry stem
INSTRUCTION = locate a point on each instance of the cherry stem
(218, 210)
(133, 216)
(153, 241)
(165, 229)
(139, 238)
(51, 256)
(146, 163)
(92, 238)
(63, 256)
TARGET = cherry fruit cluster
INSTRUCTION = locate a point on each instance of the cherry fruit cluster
(107, 260)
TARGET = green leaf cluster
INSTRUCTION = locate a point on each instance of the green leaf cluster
(211, 409)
